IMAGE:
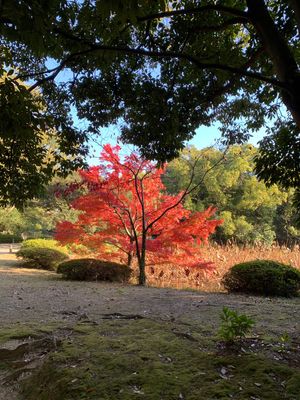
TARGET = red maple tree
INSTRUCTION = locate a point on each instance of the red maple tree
(127, 213)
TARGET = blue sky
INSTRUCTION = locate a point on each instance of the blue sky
(205, 137)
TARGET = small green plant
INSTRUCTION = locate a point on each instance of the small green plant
(234, 326)
(285, 338)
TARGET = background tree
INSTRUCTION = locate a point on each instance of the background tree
(126, 213)
(165, 68)
(38, 217)
(251, 211)
(32, 150)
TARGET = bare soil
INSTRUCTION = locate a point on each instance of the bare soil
(35, 296)
(42, 298)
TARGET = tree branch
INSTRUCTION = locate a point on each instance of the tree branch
(160, 54)
(4, 20)
(184, 194)
(195, 10)
(34, 74)
(296, 8)
(189, 189)
(221, 27)
(50, 77)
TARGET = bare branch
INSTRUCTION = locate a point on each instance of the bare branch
(188, 188)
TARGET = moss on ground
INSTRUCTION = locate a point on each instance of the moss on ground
(24, 331)
(151, 360)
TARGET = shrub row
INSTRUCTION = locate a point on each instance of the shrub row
(263, 277)
(47, 254)
(89, 269)
(41, 258)
(8, 238)
(42, 253)
(43, 243)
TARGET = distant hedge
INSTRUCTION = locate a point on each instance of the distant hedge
(263, 277)
(8, 238)
(41, 258)
(89, 269)
(43, 243)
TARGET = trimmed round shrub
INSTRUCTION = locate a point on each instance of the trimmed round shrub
(89, 269)
(263, 277)
(43, 243)
(41, 258)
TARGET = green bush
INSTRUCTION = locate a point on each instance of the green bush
(263, 277)
(8, 238)
(41, 258)
(234, 326)
(43, 243)
(89, 269)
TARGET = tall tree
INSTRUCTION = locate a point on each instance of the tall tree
(252, 212)
(126, 213)
(34, 146)
(164, 68)
(38, 217)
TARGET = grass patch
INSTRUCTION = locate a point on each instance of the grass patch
(146, 359)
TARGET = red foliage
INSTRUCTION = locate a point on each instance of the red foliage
(127, 213)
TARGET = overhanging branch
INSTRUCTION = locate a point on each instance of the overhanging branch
(195, 10)
(93, 47)
(220, 27)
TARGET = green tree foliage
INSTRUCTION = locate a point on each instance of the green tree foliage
(252, 212)
(38, 217)
(11, 221)
(32, 150)
(162, 68)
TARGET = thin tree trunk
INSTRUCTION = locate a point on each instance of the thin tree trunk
(285, 66)
(296, 7)
(129, 259)
(142, 262)
(142, 275)
(130, 252)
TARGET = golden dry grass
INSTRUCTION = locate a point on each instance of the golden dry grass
(223, 257)
(10, 265)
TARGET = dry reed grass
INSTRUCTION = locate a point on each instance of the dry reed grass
(223, 257)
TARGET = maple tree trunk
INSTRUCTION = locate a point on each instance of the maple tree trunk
(142, 275)
(142, 262)
(129, 259)
(285, 65)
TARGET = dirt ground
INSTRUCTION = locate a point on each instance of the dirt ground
(40, 298)
(32, 296)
